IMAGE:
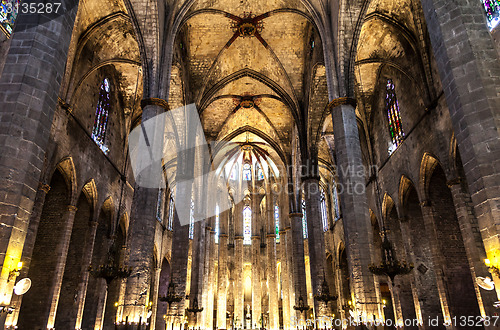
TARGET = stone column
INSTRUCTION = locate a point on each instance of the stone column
(222, 281)
(256, 273)
(142, 225)
(470, 73)
(473, 245)
(316, 241)
(208, 282)
(155, 289)
(357, 225)
(86, 261)
(286, 261)
(437, 257)
(29, 85)
(422, 280)
(299, 269)
(36, 213)
(62, 254)
(272, 262)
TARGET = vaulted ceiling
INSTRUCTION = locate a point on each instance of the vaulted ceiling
(249, 69)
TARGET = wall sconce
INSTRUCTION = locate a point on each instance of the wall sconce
(15, 272)
(492, 268)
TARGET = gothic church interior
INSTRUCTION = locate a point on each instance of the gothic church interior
(352, 150)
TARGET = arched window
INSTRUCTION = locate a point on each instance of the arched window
(324, 214)
(492, 10)
(247, 225)
(277, 222)
(170, 224)
(394, 116)
(247, 172)
(217, 224)
(159, 205)
(260, 173)
(191, 221)
(8, 15)
(304, 219)
(101, 116)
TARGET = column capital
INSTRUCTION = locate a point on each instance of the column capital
(296, 214)
(454, 182)
(44, 187)
(155, 101)
(72, 208)
(341, 101)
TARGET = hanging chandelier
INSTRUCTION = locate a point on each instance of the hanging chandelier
(171, 297)
(325, 295)
(110, 271)
(390, 265)
(301, 306)
(195, 309)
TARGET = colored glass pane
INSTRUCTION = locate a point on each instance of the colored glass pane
(277, 222)
(247, 225)
(101, 116)
(304, 219)
(8, 15)
(492, 11)
(394, 115)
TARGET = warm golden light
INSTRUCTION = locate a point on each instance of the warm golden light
(349, 302)
(116, 304)
(19, 265)
(383, 301)
(487, 262)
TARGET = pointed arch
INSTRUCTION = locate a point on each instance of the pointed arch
(90, 191)
(66, 167)
(405, 185)
(427, 166)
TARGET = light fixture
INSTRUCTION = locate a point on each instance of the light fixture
(15, 272)
(492, 268)
(301, 306)
(485, 283)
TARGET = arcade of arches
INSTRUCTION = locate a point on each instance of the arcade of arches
(355, 131)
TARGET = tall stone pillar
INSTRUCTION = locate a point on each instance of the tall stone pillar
(272, 279)
(473, 246)
(36, 213)
(29, 85)
(62, 254)
(155, 290)
(222, 271)
(86, 260)
(286, 262)
(256, 264)
(316, 241)
(222, 281)
(357, 225)
(142, 225)
(470, 72)
(296, 244)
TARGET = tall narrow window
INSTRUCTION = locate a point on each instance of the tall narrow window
(277, 222)
(492, 10)
(247, 225)
(260, 173)
(170, 224)
(191, 221)
(159, 206)
(394, 116)
(8, 15)
(247, 172)
(101, 116)
(217, 224)
(324, 214)
(304, 219)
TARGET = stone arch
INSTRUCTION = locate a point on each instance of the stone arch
(74, 266)
(66, 167)
(427, 166)
(450, 241)
(43, 265)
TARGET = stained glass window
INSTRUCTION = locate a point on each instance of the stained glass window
(216, 224)
(394, 115)
(247, 172)
(260, 173)
(277, 222)
(234, 173)
(492, 10)
(101, 116)
(159, 206)
(171, 214)
(324, 214)
(8, 15)
(247, 225)
(304, 219)
(191, 221)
